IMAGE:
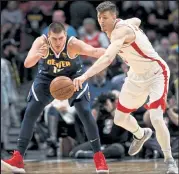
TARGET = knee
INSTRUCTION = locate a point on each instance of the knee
(120, 117)
(52, 112)
(156, 117)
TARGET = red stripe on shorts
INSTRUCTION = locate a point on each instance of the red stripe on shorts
(162, 101)
(124, 109)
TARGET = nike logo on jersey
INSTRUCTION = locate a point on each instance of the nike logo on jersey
(79, 71)
(121, 51)
(57, 70)
(156, 72)
(51, 54)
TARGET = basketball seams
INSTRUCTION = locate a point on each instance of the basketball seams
(63, 97)
(57, 80)
(62, 88)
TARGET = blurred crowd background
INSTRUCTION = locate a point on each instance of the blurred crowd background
(58, 130)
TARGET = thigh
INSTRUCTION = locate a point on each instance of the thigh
(40, 92)
(81, 95)
(131, 97)
(158, 92)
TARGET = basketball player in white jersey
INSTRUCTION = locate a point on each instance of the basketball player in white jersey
(148, 76)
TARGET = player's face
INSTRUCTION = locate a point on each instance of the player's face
(57, 40)
(106, 20)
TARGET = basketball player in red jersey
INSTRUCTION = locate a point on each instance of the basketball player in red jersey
(148, 76)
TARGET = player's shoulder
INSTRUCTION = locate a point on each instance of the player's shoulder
(72, 40)
(122, 24)
(41, 40)
(120, 32)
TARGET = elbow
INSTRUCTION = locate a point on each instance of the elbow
(138, 21)
(27, 65)
(109, 59)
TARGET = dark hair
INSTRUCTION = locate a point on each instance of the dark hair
(56, 27)
(102, 98)
(106, 6)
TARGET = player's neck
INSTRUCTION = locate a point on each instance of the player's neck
(57, 52)
(111, 29)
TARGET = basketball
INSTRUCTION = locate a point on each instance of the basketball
(62, 88)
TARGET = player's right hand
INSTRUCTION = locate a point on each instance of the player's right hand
(79, 81)
(42, 51)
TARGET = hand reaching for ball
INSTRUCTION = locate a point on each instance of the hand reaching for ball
(79, 81)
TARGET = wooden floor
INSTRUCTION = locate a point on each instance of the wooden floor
(87, 167)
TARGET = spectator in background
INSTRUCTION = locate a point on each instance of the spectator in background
(11, 21)
(35, 20)
(163, 49)
(90, 35)
(118, 81)
(173, 39)
(172, 63)
(161, 13)
(65, 6)
(173, 57)
(60, 116)
(172, 112)
(79, 10)
(12, 53)
(173, 90)
(5, 101)
(115, 67)
(173, 19)
(136, 10)
(152, 23)
(152, 36)
(59, 16)
(9, 49)
(9, 98)
(99, 84)
(148, 5)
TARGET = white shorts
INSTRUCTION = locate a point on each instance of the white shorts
(138, 87)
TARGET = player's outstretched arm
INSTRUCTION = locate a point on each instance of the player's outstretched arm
(38, 50)
(81, 48)
(118, 38)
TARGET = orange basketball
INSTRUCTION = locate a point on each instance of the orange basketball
(62, 88)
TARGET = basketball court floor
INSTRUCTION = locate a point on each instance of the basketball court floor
(73, 166)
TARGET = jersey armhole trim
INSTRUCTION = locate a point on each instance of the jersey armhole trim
(44, 57)
(67, 48)
(128, 44)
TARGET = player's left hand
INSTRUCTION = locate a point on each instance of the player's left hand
(78, 82)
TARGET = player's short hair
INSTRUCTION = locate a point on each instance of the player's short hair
(106, 6)
(56, 27)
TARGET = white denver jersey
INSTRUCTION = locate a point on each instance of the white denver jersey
(140, 55)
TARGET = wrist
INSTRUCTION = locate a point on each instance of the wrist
(85, 76)
(38, 56)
